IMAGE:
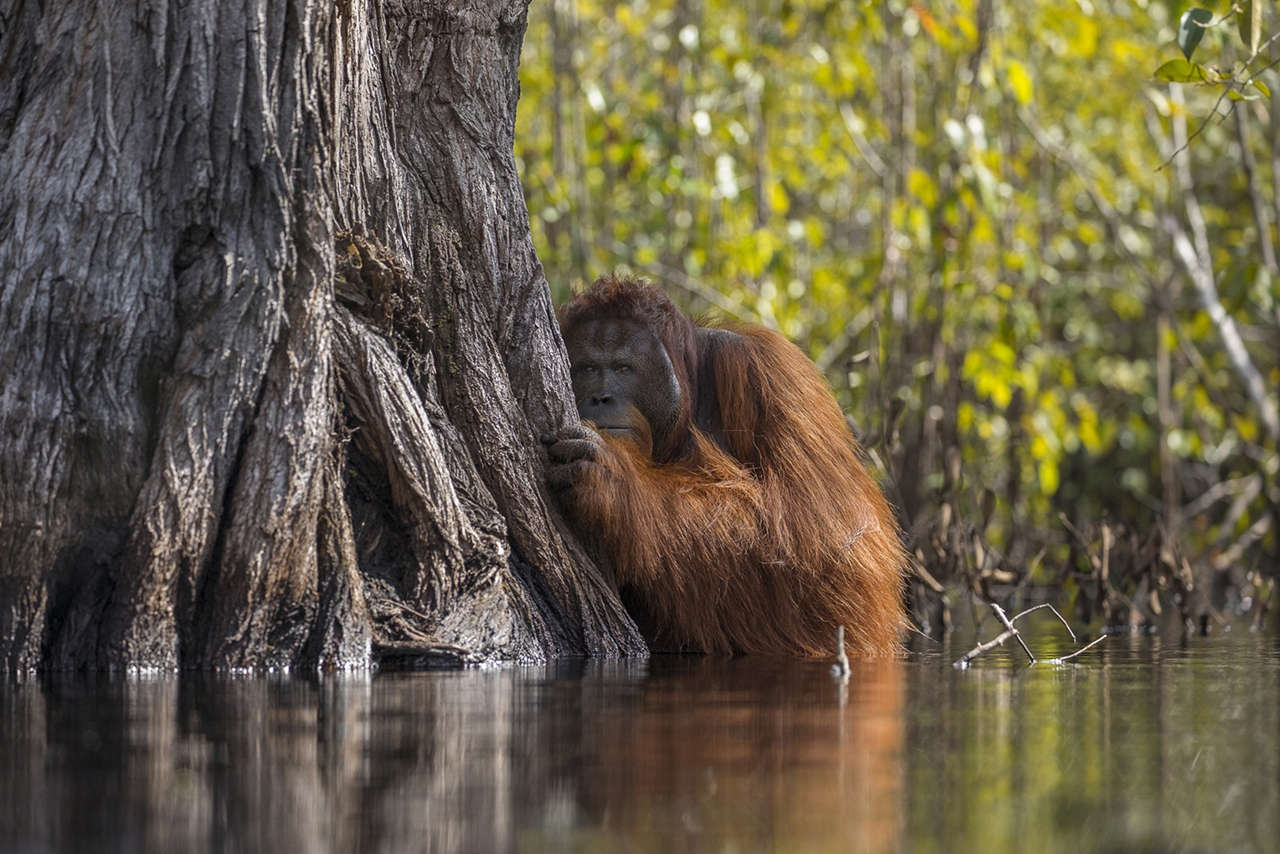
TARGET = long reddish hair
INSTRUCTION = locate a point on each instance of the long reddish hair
(763, 537)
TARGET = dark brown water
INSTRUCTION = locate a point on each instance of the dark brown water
(1141, 746)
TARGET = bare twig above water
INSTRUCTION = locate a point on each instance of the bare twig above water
(1008, 627)
(1061, 619)
(840, 670)
(1084, 648)
(841, 667)
(1010, 631)
(978, 650)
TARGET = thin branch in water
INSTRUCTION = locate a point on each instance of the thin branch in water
(1008, 625)
(1083, 649)
(840, 669)
(978, 650)
(1011, 632)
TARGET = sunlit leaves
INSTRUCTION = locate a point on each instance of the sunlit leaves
(1181, 71)
(945, 241)
(1239, 76)
(1019, 81)
(1249, 23)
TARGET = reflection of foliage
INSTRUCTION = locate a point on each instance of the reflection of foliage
(958, 210)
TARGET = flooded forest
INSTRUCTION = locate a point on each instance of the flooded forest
(1040, 275)
(280, 564)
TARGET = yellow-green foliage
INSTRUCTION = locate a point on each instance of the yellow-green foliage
(954, 205)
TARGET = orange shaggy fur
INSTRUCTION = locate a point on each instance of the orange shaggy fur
(760, 533)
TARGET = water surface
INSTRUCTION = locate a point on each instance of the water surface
(1141, 745)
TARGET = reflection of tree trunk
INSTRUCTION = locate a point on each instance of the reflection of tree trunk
(26, 810)
(268, 792)
(454, 791)
(181, 194)
(588, 752)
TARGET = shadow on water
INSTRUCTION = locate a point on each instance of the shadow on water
(1142, 747)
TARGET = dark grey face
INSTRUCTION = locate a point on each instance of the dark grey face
(620, 364)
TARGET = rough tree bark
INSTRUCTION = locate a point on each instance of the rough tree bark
(275, 347)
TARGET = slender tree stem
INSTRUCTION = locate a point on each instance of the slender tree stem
(1198, 259)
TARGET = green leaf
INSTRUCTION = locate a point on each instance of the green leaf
(1181, 71)
(1249, 21)
(1236, 95)
(1020, 82)
(1191, 29)
(1261, 87)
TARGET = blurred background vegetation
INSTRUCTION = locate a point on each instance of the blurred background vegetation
(1056, 327)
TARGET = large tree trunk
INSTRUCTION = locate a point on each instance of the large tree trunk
(275, 347)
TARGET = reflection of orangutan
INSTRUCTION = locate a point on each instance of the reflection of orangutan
(750, 753)
(724, 483)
